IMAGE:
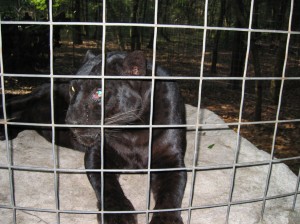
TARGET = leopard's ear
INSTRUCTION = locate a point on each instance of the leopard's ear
(135, 64)
(88, 56)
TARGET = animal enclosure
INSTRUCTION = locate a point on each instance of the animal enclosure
(237, 66)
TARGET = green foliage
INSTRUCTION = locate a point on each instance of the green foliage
(39, 4)
(42, 4)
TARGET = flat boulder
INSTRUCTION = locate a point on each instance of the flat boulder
(39, 192)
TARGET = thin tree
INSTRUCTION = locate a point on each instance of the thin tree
(238, 50)
(77, 39)
(135, 31)
(217, 38)
(114, 10)
(280, 20)
(255, 58)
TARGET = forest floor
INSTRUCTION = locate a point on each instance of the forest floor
(216, 96)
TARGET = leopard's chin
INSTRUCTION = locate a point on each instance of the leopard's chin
(87, 137)
(87, 141)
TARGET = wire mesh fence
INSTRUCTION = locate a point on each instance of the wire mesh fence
(201, 81)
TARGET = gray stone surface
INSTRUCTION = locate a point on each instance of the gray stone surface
(217, 148)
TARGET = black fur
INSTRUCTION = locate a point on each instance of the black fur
(127, 102)
(36, 108)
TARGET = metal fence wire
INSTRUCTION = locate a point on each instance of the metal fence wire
(14, 169)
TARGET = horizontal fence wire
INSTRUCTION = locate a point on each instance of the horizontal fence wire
(189, 169)
(198, 127)
(203, 127)
(153, 210)
(147, 77)
(108, 24)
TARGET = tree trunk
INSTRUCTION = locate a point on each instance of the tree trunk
(217, 38)
(135, 31)
(238, 51)
(258, 83)
(47, 4)
(163, 13)
(118, 31)
(144, 6)
(280, 54)
(86, 18)
(97, 31)
(238, 59)
(257, 68)
(277, 72)
(296, 16)
(77, 39)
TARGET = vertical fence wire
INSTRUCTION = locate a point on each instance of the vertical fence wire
(197, 136)
(102, 106)
(54, 148)
(237, 148)
(148, 196)
(8, 145)
(278, 110)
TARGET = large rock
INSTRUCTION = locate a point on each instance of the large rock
(217, 148)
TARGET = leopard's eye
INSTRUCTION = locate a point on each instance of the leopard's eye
(97, 94)
(72, 90)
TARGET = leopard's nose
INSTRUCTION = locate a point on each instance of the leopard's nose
(70, 119)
